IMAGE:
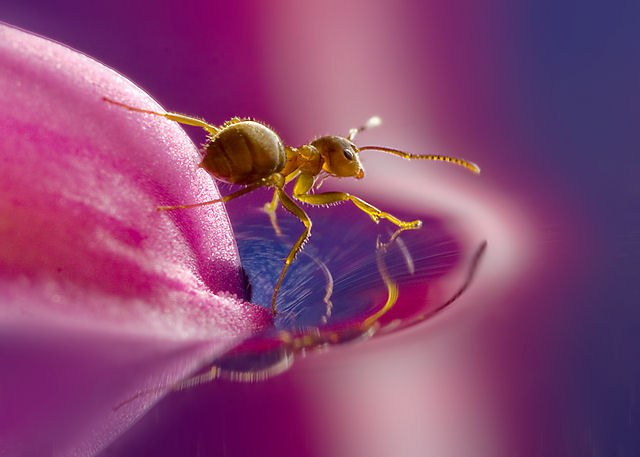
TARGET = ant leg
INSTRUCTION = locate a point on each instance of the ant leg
(181, 118)
(300, 214)
(305, 182)
(392, 286)
(270, 209)
(328, 289)
(281, 364)
(226, 198)
(373, 212)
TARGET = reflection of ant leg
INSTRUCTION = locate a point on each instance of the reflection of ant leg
(328, 288)
(217, 372)
(392, 286)
(282, 364)
(270, 209)
(406, 255)
(473, 267)
(382, 249)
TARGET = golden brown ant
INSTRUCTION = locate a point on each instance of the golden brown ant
(247, 152)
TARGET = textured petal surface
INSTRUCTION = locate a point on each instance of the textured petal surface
(100, 294)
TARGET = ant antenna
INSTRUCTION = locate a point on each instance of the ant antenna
(465, 163)
(372, 122)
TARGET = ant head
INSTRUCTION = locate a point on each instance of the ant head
(340, 156)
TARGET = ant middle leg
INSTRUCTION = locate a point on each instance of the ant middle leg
(294, 209)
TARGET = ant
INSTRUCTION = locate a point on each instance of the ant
(247, 152)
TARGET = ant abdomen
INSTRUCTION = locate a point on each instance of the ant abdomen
(244, 152)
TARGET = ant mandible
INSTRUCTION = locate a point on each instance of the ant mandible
(247, 152)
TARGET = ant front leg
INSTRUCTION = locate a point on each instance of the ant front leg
(305, 182)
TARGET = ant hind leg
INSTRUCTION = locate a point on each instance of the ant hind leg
(180, 118)
(226, 198)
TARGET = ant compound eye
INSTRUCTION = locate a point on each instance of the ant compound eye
(348, 154)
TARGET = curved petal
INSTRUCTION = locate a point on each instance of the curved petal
(100, 294)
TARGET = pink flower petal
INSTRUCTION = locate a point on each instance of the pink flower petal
(100, 294)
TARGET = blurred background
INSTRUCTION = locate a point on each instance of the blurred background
(541, 357)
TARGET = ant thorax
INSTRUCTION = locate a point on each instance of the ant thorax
(305, 159)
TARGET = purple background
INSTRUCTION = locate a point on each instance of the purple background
(544, 96)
